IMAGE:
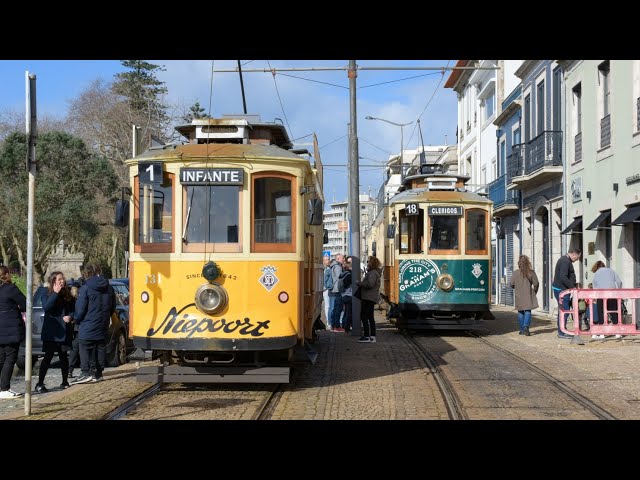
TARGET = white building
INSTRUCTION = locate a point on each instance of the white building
(336, 223)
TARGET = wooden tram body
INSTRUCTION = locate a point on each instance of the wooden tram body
(225, 253)
(436, 254)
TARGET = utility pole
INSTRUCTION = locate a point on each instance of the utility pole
(244, 102)
(32, 136)
(354, 201)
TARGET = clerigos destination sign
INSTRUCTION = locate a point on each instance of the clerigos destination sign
(211, 176)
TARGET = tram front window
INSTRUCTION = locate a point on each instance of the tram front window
(155, 216)
(210, 215)
(273, 207)
(443, 233)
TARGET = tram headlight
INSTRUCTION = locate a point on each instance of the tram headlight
(211, 298)
(444, 282)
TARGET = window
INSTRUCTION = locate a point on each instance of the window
(503, 158)
(489, 106)
(273, 213)
(540, 108)
(211, 218)
(411, 229)
(527, 117)
(443, 234)
(516, 136)
(476, 232)
(605, 71)
(577, 101)
(154, 216)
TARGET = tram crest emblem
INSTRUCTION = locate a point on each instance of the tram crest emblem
(268, 279)
(477, 270)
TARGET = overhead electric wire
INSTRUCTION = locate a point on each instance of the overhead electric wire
(332, 141)
(399, 80)
(379, 148)
(315, 81)
(273, 73)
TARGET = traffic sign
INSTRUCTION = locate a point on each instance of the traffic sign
(326, 253)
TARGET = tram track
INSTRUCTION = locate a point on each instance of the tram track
(123, 409)
(449, 396)
(585, 402)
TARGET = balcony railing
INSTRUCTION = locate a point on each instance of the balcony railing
(605, 131)
(515, 161)
(543, 151)
(578, 147)
(499, 194)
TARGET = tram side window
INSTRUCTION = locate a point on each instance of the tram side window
(443, 233)
(411, 230)
(476, 228)
(155, 216)
(210, 215)
(273, 213)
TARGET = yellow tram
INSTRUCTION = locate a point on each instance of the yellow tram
(225, 252)
(437, 252)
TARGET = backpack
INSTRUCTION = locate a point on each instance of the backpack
(343, 283)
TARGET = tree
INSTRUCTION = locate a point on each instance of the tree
(68, 182)
(195, 112)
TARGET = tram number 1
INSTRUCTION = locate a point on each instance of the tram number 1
(411, 209)
(150, 173)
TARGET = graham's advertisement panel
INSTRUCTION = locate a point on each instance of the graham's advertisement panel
(262, 300)
(418, 281)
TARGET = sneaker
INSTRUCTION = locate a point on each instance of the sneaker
(64, 385)
(82, 379)
(618, 336)
(597, 336)
(521, 332)
(562, 335)
(338, 329)
(97, 379)
(40, 388)
(71, 375)
(372, 339)
(364, 340)
(527, 332)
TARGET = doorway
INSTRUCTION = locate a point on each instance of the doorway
(544, 219)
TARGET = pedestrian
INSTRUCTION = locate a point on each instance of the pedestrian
(605, 277)
(94, 307)
(565, 279)
(57, 328)
(345, 289)
(12, 330)
(334, 294)
(370, 296)
(327, 286)
(74, 353)
(525, 283)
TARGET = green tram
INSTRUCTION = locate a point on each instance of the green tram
(437, 253)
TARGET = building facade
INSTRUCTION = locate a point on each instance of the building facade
(602, 191)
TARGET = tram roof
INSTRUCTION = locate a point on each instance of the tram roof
(426, 195)
(215, 150)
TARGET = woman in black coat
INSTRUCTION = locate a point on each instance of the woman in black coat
(12, 330)
(57, 328)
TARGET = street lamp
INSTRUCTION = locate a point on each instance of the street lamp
(401, 125)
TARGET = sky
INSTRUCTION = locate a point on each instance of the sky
(306, 102)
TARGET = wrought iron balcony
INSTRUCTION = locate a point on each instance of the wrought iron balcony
(578, 148)
(502, 198)
(605, 131)
(537, 162)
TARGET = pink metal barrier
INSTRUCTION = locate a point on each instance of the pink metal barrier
(627, 320)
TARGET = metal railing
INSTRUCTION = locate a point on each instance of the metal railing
(578, 147)
(605, 131)
(515, 161)
(499, 194)
(618, 308)
(544, 151)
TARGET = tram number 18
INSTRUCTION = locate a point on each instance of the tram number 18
(411, 209)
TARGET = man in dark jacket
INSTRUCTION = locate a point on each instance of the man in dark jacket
(12, 303)
(94, 306)
(564, 279)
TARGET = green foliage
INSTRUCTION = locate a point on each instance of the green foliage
(69, 178)
(195, 111)
(20, 282)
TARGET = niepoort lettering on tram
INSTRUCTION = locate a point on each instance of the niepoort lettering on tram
(445, 210)
(211, 176)
(191, 325)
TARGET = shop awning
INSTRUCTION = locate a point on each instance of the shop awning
(603, 222)
(630, 215)
(574, 227)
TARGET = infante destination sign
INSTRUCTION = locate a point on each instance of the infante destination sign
(211, 176)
